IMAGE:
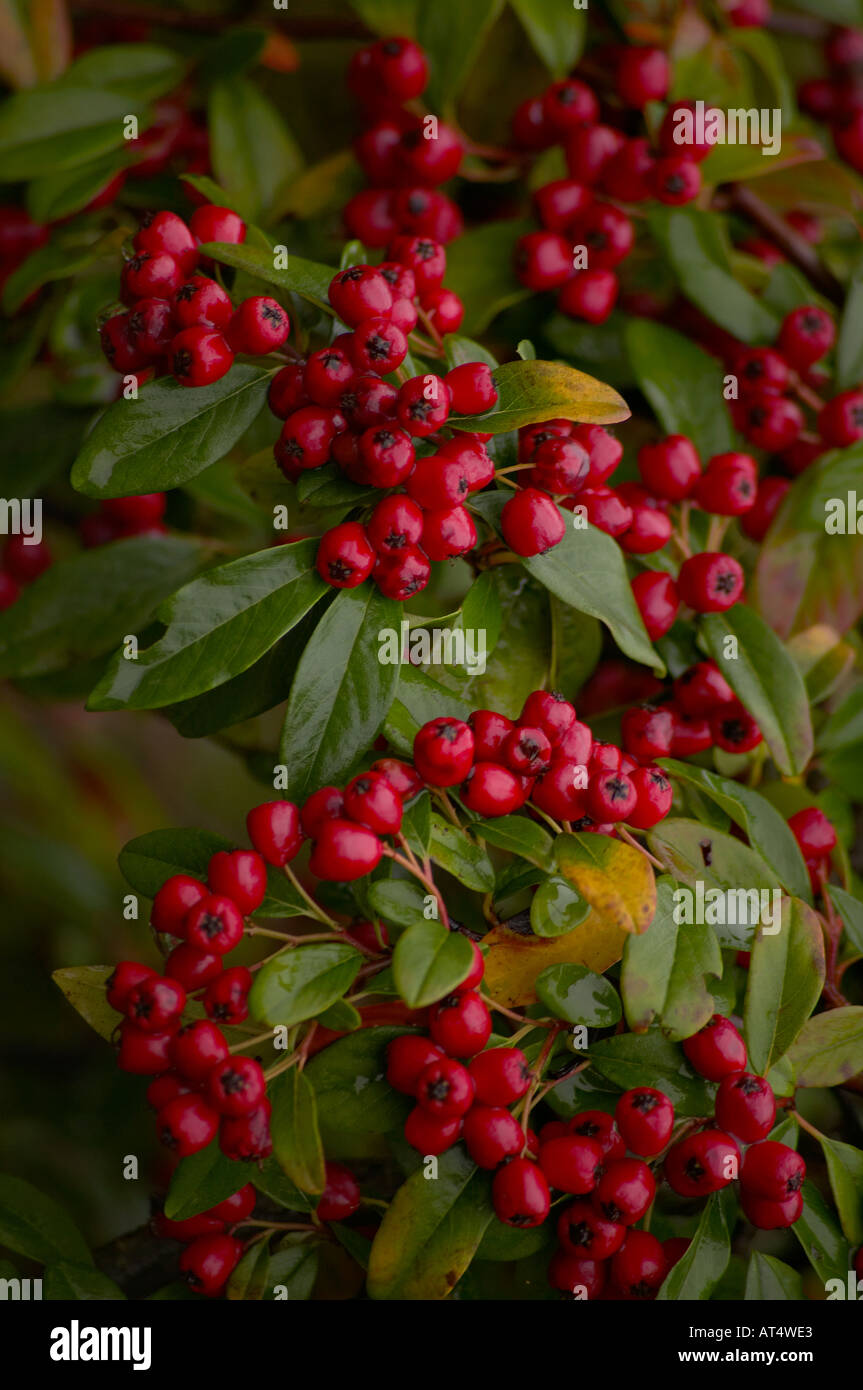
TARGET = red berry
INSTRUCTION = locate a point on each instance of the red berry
(569, 104)
(472, 388)
(443, 751)
(205, 1224)
(445, 1088)
(675, 179)
(246, 1138)
(358, 293)
(166, 233)
(448, 531)
(628, 174)
(702, 688)
(590, 295)
(770, 495)
(438, 482)
(191, 967)
(460, 1024)
(274, 829)
(327, 803)
(341, 1195)
(526, 751)
(611, 797)
(690, 734)
(236, 1086)
(571, 1163)
(123, 979)
(710, 582)
(429, 1135)
(645, 1118)
(550, 712)
(677, 125)
(543, 260)
(558, 203)
(208, 1262)
(733, 729)
(173, 901)
(378, 345)
(226, 998)
(489, 731)
(210, 223)
(561, 466)
(404, 779)
(345, 556)
(589, 149)
(646, 732)
(585, 1233)
(669, 468)
(238, 1206)
(531, 523)
(643, 75)
(287, 392)
(132, 515)
(768, 1215)
(840, 423)
(640, 1266)
(649, 530)
(729, 485)
(196, 1049)
(200, 356)
(186, 1125)
(653, 800)
(148, 276)
(520, 1193)
(813, 832)
(596, 1124)
(402, 574)
(716, 1050)
(656, 595)
(625, 1191)
(492, 1134)
(604, 450)
(493, 790)
(259, 326)
(151, 327)
(772, 1170)
(371, 800)
(501, 1075)
(407, 1058)
(123, 354)
(154, 1004)
(214, 924)
(422, 405)
(581, 1278)
(240, 875)
(762, 371)
(607, 233)
(746, 1106)
(773, 422)
(559, 791)
(344, 851)
(143, 1054)
(702, 1163)
(202, 301)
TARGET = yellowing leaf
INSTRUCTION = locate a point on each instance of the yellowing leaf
(618, 883)
(530, 392)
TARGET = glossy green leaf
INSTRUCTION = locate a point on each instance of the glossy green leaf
(148, 860)
(766, 680)
(309, 279)
(53, 128)
(825, 1246)
(429, 961)
(169, 434)
(398, 900)
(767, 830)
(829, 1047)
(341, 691)
(144, 70)
(579, 995)
(353, 1094)
(850, 909)
(84, 987)
(845, 1170)
(294, 1268)
(519, 835)
(431, 1231)
(75, 1283)
(699, 1270)
(299, 983)
(250, 1276)
(55, 196)
(254, 155)
(693, 853)
(35, 1225)
(556, 30)
(770, 1280)
(451, 34)
(294, 1127)
(786, 974)
(204, 1179)
(217, 627)
(83, 606)
(849, 344)
(480, 271)
(664, 977)
(650, 1060)
(683, 383)
(456, 852)
(557, 908)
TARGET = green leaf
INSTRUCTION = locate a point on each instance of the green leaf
(845, 1170)
(65, 1282)
(556, 30)
(851, 911)
(397, 900)
(586, 570)
(269, 1178)
(829, 1048)
(294, 1266)
(388, 16)
(34, 1225)
(844, 725)
(419, 699)
(849, 344)
(169, 434)
(203, 1180)
(480, 271)
(416, 824)
(700, 1269)
(451, 34)
(649, 1060)
(766, 679)
(769, 1280)
(217, 627)
(55, 196)
(530, 392)
(83, 606)
(251, 1276)
(683, 383)
(520, 836)
(664, 973)
(309, 279)
(50, 129)
(341, 1017)
(579, 995)
(455, 852)
(557, 908)
(786, 974)
(694, 853)
(460, 350)
(763, 824)
(341, 691)
(431, 1231)
(294, 1127)
(429, 961)
(694, 245)
(349, 1077)
(301, 982)
(823, 1243)
(254, 155)
(148, 860)
(58, 259)
(143, 70)
(84, 987)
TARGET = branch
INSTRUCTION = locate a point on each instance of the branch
(804, 256)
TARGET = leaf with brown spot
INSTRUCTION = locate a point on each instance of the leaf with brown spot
(829, 1048)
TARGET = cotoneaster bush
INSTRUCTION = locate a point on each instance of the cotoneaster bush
(571, 998)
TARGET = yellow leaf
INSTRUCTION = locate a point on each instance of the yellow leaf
(616, 880)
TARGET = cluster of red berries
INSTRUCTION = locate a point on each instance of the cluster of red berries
(604, 164)
(838, 98)
(336, 405)
(199, 1088)
(404, 155)
(179, 321)
(771, 1174)
(20, 563)
(700, 712)
(547, 756)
